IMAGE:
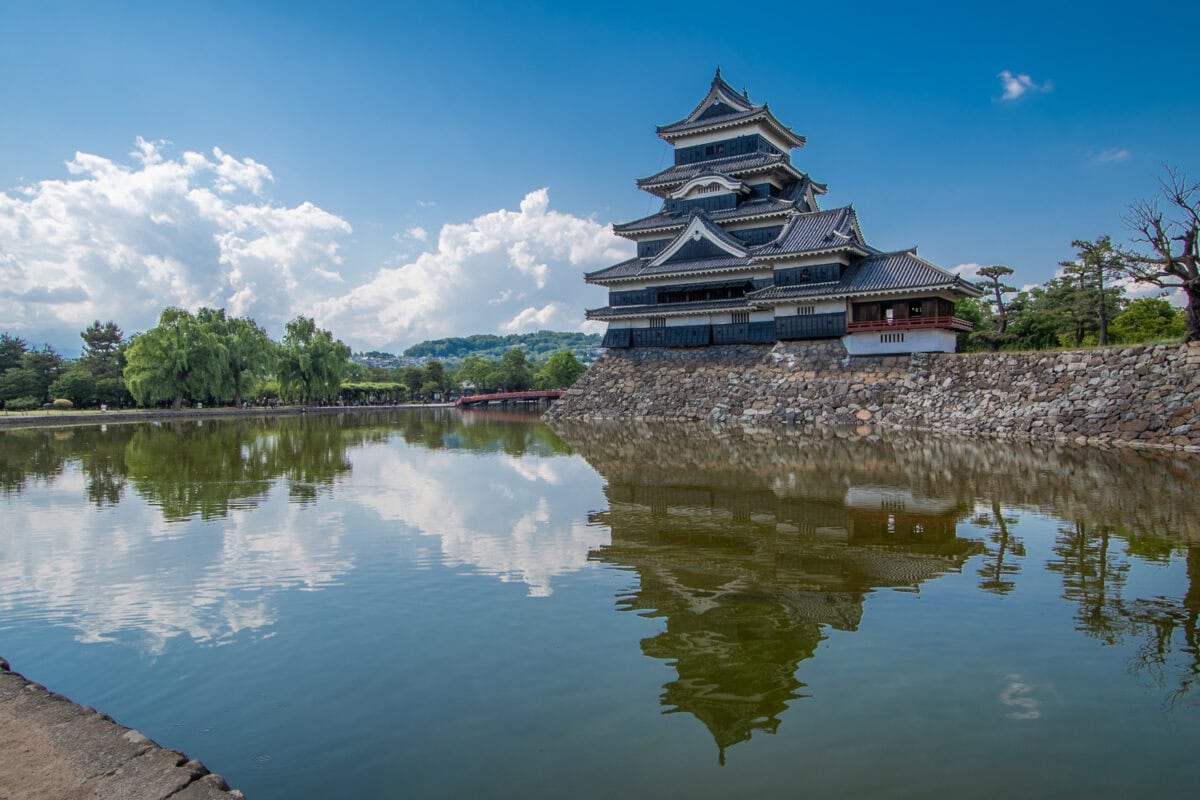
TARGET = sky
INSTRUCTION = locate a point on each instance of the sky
(410, 171)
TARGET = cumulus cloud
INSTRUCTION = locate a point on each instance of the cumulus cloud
(122, 241)
(504, 271)
(1017, 85)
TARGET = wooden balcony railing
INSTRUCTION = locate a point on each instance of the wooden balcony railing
(953, 323)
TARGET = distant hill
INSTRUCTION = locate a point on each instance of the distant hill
(537, 346)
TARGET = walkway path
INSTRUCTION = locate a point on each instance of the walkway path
(53, 749)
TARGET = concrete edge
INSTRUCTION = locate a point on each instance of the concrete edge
(18, 419)
(52, 744)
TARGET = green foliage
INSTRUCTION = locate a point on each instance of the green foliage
(373, 392)
(971, 310)
(182, 358)
(537, 346)
(22, 404)
(11, 350)
(515, 374)
(562, 370)
(1149, 320)
(32, 376)
(247, 351)
(77, 384)
(63, 404)
(311, 362)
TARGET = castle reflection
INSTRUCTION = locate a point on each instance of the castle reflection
(750, 544)
(748, 566)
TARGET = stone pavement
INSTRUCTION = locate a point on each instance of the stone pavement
(54, 749)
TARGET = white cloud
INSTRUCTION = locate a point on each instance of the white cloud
(1016, 85)
(1112, 155)
(123, 240)
(477, 276)
(968, 272)
(119, 241)
(548, 317)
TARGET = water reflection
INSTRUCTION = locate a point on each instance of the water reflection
(151, 532)
(751, 544)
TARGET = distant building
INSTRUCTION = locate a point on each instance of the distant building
(740, 252)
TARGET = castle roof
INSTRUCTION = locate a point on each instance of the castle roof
(723, 107)
(816, 232)
(879, 273)
(666, 220)
(729, 166)
(810, 233)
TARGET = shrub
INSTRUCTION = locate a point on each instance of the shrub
(22, 404)
(63, 404)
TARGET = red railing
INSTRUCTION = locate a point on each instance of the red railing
(953, 323)
(478, 399)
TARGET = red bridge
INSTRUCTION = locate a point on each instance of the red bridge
(506, 397)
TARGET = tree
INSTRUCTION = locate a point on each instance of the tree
(993, 284)
(11, 350)
(311, 362)
(435, 373)
(102, 344)
(36, 370)
(247, 351)
(180, 358)
(1149, 319)
(76, 384)
(103, 361)
(473, 372)
(412, 378)
(1099, 262)
(515, 375)
(1174, 243)
(559, 372)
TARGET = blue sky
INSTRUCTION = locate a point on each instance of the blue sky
(380, 166)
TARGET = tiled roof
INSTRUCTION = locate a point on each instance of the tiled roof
(721, 91)
(665, 219)
(883, 272)
(659, 309)
(640, 268)
(682, 173)
(717, 119)
(815, 232)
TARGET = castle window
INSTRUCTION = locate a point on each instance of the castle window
(741, 318)
(658, 322)
(891, 338)
(805, 311)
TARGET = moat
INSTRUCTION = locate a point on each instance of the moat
(446, 604)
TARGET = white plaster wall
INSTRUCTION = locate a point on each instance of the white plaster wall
(819, 307)
(920, 340)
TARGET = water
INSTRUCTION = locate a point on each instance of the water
(436, 605)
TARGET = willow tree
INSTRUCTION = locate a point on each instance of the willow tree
(180, 358)
(249, 354)
(311, 362)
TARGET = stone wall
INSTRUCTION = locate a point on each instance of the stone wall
(1139, 396)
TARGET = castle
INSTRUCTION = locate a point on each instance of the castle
(740, 252)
